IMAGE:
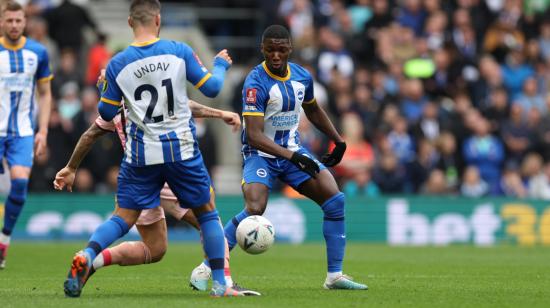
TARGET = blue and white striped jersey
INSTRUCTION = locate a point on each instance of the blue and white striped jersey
(21, 67)
(151, 77)
(279, 100)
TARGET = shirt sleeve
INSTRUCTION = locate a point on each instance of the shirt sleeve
(195, 71)
(44, 73)
(254, 97)
(112, 94)
(105, 125)
(309, 96)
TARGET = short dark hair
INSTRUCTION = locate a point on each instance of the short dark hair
(11, 6)
(143, 11)
(275, 32)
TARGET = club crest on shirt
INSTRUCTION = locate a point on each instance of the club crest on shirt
(251, 96)
(300, 95)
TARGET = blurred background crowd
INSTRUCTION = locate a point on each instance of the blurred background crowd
(432, 97)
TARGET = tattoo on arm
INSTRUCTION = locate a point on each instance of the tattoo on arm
(201, 111)
(84, 145)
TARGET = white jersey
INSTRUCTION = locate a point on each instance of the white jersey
(21, 67)
(152, 78)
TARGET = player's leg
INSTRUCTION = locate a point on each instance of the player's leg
(151, 225)
(190, 182)
(202, 273)
(324, 191)
(138, 188)
(19, 154)
(258, 175)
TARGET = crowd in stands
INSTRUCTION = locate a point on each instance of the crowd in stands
(433, 97)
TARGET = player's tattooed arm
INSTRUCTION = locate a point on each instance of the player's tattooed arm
(201, 111)
(65, 177)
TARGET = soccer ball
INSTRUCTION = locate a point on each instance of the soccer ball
(255, 234)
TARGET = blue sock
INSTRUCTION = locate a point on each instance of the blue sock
(14, 204)
(106, 234)
(213, 242)
(334, 230)
(231, 228)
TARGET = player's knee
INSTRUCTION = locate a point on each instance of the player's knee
(18, 191)
(158, 252)
(255, 210)
(334, 206)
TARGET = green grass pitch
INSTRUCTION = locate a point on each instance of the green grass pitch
(292, 276)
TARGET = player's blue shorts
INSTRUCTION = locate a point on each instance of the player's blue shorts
(18, 151)
(139, 187)
(258, 169)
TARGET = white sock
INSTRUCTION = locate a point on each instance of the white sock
(334, 275)
(98, 262)
(228, 281)
(4, 239)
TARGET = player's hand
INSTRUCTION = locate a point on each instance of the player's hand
(64, 178)
(40, 143)
(232, 119)
(224, 55)
(305, 164)
(332, 159)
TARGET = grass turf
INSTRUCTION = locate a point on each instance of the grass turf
(292, 276)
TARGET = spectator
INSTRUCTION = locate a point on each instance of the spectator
(498, 111)
(359, 154)
(37, 29)
(84, 181)
(333, 56)
(401, 142)
(66, 73)
(539, 185)
(486, 153)
(436, 184)
(428, 127)
(421, 168)
(412, 15)
(515, 72)
(389, 175)
(530, 97)
(98, 57)
(66, 25)
(413, 101)
(450, 161)
(361, 184)
(473, 185)
(516, 135)
(512, 184)
(544, 40)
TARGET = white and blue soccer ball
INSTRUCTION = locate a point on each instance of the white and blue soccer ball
(255, 234)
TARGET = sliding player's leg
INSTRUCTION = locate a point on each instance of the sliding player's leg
(108, 232)
(138, 189)
(324, 191)
(151, 225)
